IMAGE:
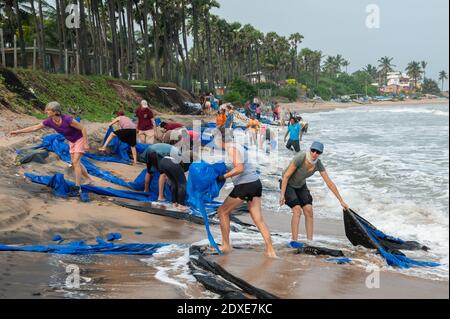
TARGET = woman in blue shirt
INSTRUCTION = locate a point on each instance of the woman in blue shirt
(294, 131)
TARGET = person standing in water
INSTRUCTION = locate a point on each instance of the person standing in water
(72, 130)
(126, 134)
(294, 132)
(295, 192)
(247, 187)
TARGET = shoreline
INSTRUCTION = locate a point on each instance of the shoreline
(310, 107)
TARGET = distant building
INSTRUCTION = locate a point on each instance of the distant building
(397, 82)
(256, 77)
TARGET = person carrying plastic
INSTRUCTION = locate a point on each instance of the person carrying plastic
(73, 131)
(294, 132)
(247, 187)
(175, 173)
(127, 134)
(162, 150)
(295, 192)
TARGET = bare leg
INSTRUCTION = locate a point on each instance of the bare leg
(255, 211)
(309, 216)
(296, 216)
(161, 184)
(77, 168)
(224, 212)
(86, 175)
(134, 152)
(109, 140)
(148, 178)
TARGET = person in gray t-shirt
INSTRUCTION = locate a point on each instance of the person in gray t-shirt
(295, 192)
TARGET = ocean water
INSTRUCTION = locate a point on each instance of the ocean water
(391, 165)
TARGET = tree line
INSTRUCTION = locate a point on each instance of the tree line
(179, 41)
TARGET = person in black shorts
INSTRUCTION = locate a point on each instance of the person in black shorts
(175, 173)
(295, 192)
(127, 134)
(247, 187)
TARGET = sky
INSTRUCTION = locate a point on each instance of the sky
(408, 30)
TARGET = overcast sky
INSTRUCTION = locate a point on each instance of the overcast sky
(409, 29)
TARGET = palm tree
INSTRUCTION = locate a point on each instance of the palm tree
(371, 70)
(385, 67)
(295, 39)
(414, 71)
(424, 65)
(442, 77)
(346, 64)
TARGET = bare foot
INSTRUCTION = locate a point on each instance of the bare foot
(225, 249)
(271, 254)
(183, 209)
(102, 149)
(162, 199)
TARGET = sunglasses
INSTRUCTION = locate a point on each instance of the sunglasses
(316, 151)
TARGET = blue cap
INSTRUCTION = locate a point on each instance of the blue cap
(318, 147)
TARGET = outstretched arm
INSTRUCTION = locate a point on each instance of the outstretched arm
(28, 129)
(114, 122)
(334, 189)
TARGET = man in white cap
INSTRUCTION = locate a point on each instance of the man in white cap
(145, 123)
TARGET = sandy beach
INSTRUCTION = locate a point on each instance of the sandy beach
(30, 214)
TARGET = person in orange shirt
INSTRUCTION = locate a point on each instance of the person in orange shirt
(221, 118)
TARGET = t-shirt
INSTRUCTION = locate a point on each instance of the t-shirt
(230, 120)
(298, 179)
(294, 132)
(221, 119)
(71, 134)
(145, 119)
(126, 124)
(162, 150)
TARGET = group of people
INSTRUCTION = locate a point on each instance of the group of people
(172, 166)
(294, 191)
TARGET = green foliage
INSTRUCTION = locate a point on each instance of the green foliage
(234, 98)
(430, 87)
(290, 92)
(93, 98)
(242, 88)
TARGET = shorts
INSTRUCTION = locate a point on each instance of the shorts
(247, 192)
(298, 196)
(78, 147)
(293, 144)
(150, 134)
(127, 136)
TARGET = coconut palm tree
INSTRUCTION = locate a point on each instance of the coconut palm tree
(442, 77)
(424, 65)
(414, 70)
(384, 68)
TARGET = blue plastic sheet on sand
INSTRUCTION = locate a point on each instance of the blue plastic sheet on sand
(81, 248)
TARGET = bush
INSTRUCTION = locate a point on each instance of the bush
(243, 88)
(290, 92)
(234, 98)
